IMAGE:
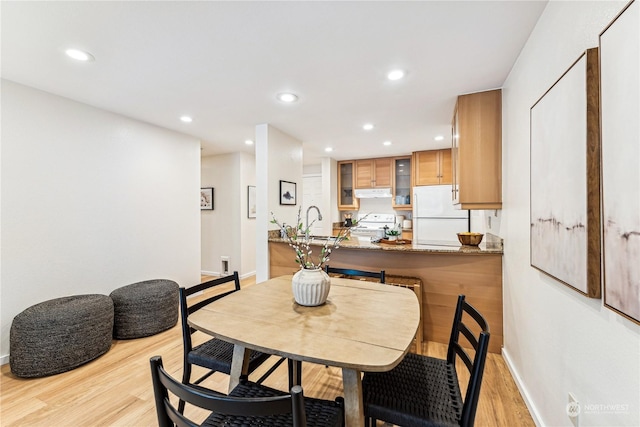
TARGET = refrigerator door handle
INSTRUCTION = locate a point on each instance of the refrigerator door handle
(415, 223)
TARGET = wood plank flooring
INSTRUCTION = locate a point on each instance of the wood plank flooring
(115, 389)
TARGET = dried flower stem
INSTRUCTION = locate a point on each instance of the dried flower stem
(297, 239)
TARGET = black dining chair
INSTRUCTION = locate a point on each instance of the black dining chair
(249, 404)
(215, 355)
(425, 391)
(350, 272)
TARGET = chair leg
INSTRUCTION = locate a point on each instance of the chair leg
(270, 371)
(186, 376)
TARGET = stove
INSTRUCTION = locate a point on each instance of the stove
(371, 225)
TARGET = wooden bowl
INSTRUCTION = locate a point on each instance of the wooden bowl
(470, 239)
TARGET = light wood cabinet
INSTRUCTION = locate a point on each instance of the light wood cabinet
(432, 167)
(402, 183)
(477, 151)
(346, 182)
(373, 173)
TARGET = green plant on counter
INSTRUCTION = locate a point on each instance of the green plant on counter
(296, 237)
(393, 233)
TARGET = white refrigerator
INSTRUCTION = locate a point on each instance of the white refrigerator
(435, 221)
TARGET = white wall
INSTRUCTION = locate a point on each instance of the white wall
(226, 230)
(91, 201)
(278, 157)
(248, 225)
(556, 340)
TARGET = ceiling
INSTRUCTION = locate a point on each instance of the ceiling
(223, 63)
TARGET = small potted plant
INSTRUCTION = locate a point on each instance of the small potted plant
(310, 284)
(393, 235)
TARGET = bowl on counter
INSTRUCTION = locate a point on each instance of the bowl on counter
(470, 239)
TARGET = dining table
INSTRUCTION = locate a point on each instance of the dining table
(362, 327)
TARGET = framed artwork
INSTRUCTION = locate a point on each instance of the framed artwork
(206, 199)
(620, 109)
(251, 201)
(565, 178)
(287, 193)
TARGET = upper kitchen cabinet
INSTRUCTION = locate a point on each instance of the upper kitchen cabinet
(432, 167)
(401, 183)
(374, 173)
(477, 151)
(346, 181)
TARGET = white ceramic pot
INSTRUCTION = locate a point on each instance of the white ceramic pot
(310, 287)
(392, 238)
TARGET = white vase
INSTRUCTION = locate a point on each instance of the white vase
(392, 238)
(310, 287)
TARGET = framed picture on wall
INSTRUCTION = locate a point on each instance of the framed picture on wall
(565, 178)
(620, 101)
(206, 199)
(287, 193)
(251, 201)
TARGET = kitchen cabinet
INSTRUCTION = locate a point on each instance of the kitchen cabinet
(432, 167)
(373, 173)
(477, 151)
(346, 182)
(401, 188)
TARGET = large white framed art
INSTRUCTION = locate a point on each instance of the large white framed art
(620, 106)
(565, 178)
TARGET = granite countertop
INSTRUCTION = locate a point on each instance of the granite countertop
(492, 246)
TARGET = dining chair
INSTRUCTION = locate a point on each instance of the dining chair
(425, 391)
(215, 354)
(248, 404)
(350, 272)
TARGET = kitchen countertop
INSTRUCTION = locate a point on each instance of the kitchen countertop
(436, 247)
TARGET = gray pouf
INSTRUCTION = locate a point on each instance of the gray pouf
(145, 308)
(60, 334)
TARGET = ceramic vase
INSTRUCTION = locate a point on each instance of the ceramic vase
(310, 287)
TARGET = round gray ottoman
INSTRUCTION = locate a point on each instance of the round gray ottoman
(60, 334)
(144, 308)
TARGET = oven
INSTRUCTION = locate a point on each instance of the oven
(371, 226)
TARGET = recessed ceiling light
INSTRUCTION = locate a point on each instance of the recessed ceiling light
(79, 55)
(386, 143)
(248, 142)
(287, 97)
(439, 138)
(328, 149)
(186, 119)
(367, 126)
(395, 75)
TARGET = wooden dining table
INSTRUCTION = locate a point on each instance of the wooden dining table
(363, 327)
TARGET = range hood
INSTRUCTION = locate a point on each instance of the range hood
(371, 193)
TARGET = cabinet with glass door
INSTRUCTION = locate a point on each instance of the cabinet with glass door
(346, 180)
(402, 183)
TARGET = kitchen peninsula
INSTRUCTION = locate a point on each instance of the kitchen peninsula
(445, 272)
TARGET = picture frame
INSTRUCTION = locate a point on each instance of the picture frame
(565, 178)
(287, 193)
(619, 46)
(251, 201)
(206, 199)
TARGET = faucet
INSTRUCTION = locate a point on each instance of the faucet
(306, 231)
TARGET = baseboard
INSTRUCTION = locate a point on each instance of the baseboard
(249, 274)
(218, 274)
(523, 389)
(210, 273)
(4, 359)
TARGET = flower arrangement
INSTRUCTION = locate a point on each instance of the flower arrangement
(298, 238)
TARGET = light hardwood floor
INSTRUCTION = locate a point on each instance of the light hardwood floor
(115, 389)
